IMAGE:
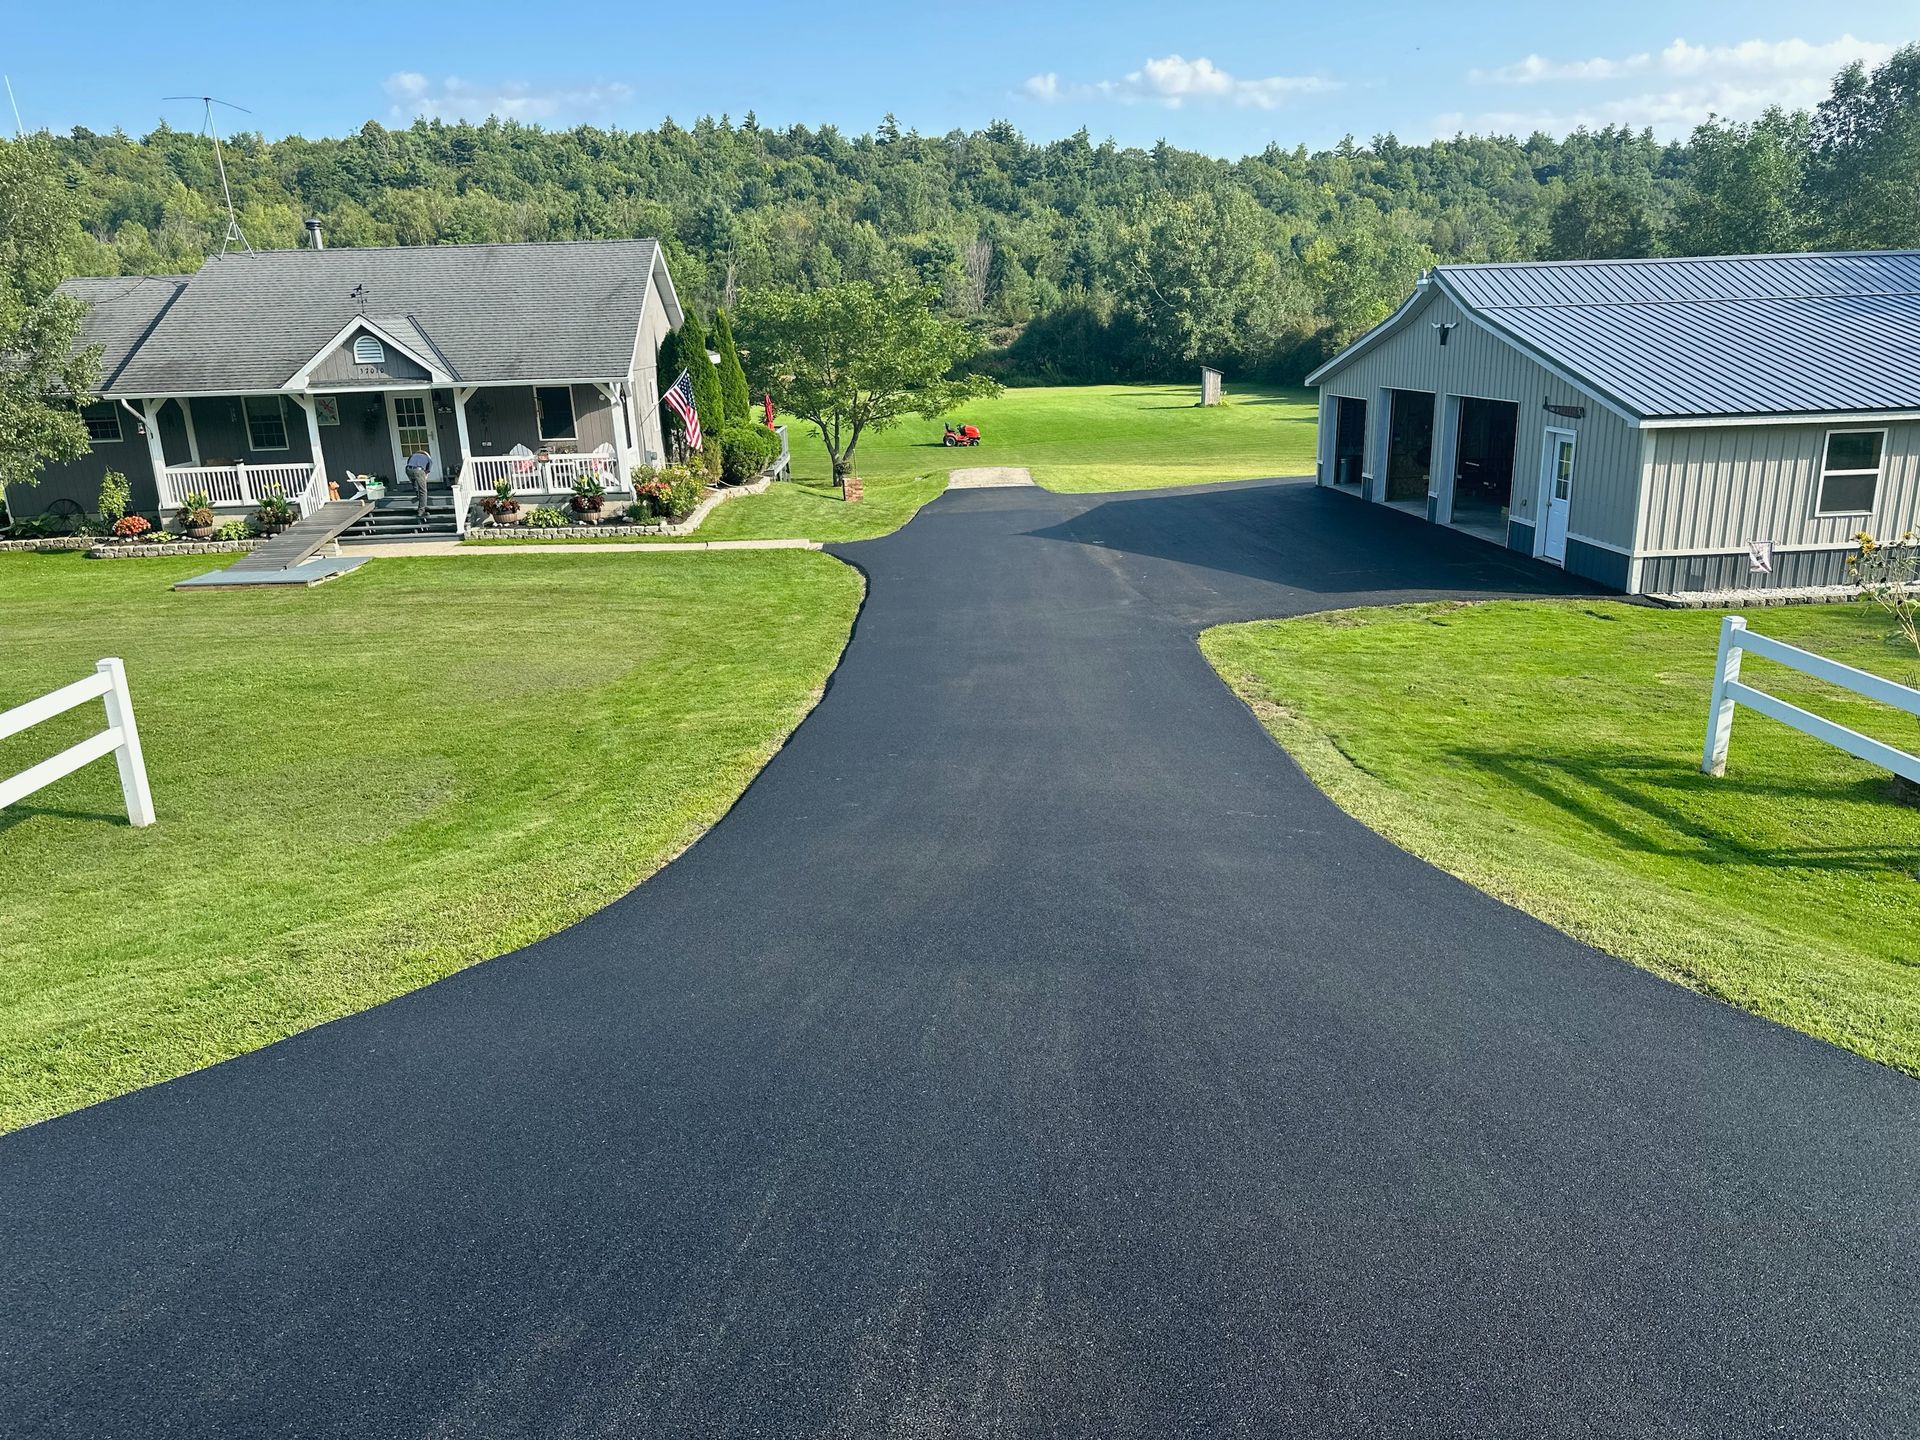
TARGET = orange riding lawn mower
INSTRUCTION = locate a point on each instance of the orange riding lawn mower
(963, 435)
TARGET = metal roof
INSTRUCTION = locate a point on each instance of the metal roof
(1728, 335)
(495, 313)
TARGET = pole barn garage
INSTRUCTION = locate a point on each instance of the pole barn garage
(1645, 423)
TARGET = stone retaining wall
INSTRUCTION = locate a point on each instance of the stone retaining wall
(177, 547)
(58, 542)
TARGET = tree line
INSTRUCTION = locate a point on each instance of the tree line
(1070, 260)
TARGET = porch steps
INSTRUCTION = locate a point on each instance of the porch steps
(303, 540)
(400, 519)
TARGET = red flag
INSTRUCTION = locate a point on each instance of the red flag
(767, 400)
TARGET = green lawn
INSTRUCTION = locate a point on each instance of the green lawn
(1073, 438)
(364, 786)
(1549, 752)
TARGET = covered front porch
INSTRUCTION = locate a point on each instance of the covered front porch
(306, 445)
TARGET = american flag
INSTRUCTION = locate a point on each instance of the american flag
(680, 397)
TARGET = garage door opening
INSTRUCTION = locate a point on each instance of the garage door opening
(1349, 440)
(1483, 478)
(1410, 448)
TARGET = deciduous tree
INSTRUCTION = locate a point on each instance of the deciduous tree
(857, 357)
(43, 370)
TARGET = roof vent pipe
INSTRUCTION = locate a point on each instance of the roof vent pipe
(314, 240)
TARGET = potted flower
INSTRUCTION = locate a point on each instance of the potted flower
(196, 515)
(129, 528)
(274, 515)
(589, 499)
(501, 506)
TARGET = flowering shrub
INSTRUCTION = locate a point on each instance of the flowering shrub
(131, 527)
(671, 490)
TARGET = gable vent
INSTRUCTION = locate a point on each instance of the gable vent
(368, 351)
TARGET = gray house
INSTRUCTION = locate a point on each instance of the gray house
(287, 370)
(1647, 424)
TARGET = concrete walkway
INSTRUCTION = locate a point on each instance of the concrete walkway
(1031, 1052)
(565, 547)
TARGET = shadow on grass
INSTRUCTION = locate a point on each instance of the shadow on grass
(1639, 786)
(17, 813)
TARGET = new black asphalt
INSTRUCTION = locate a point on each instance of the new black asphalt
(1033, 1051)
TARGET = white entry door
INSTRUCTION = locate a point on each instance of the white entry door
(410, 421)
(1556, 493)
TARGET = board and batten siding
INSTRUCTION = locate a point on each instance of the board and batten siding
(340, 368)
(1715, 488)
(1476, 363)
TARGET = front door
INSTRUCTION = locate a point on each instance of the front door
(410, 417)
(1556, 489)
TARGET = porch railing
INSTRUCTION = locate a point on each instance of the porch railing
(530, 475)
(237, 484)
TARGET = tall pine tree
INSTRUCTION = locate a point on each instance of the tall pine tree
(733, 379)
(706, 378)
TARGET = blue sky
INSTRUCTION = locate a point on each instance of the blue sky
(1225, 77)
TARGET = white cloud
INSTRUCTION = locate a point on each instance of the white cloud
(1174, 80)
(414, 95)
(1670, 90)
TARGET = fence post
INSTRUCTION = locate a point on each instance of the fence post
(133, 764)
(1720, 710)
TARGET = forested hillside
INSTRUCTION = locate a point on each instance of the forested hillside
(1077, 260)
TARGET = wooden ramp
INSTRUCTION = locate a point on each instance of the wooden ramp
(303, 540)
(288, 558)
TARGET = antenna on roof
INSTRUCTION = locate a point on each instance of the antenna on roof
(220, 160)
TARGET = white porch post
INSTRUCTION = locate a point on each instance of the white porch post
(622, 418)
(462, 394)
(193, 438)
(305, 402)
(163, 489)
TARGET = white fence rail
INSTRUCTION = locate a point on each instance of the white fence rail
(530, 475)
(234, 484)
(1730, 691)
(120, 739)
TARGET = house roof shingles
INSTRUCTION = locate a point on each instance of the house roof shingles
(121, 309)
(495, 313)
(1733, 335)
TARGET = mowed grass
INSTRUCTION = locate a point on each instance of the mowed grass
(1549, 753)
(1073, 438)
(366, 786)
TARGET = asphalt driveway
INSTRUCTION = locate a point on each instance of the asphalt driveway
(1033, 1051)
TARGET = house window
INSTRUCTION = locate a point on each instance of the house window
(555, 403)
(368, 351)
(410, 426)
(1850, 472)
(266, 422)
(103, 424)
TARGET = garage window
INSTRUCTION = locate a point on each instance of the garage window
(1850, 471)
